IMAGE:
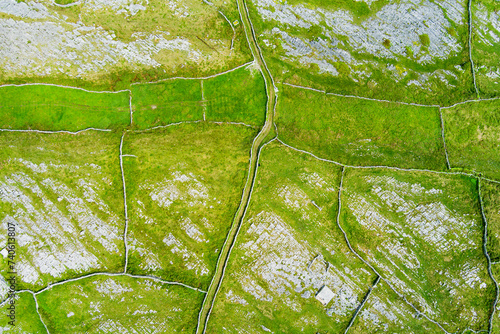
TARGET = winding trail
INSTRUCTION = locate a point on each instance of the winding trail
(271, 92)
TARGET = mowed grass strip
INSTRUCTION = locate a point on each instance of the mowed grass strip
(238, 96)
(46, 107)
(472, 133)
(360, 132)
(167, 102)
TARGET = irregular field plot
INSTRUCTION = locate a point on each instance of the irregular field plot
(385, 312)
(27, 319)
(111, 44)
(289, 246)
(490, 193)
(46, 107)
(398, 50)
(119, 305)
(167, 102)
(360, 132)
(423, 232)
(237, 96)
(472, 133)
(63, 193)
(485, 45)
(183, 188)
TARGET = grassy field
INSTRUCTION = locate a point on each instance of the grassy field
(183, 187)
(119, 305)
(472, 133)
(27, 319)
(385, 312)
(485, 47)
(361, 49)
(237, 96)
(167, 102)
(55, 108)
(491, 200)
(63, 194)
(423, 232)
(289, 246)
(359, 132)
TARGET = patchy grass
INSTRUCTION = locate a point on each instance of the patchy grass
(26, 317)
(472, 133)
(239, 96)
(385, 312)
(119, 305)
(271, 279)
(395, 50)
(55, 108)
(63, 194)
(183, 188)
(166, 102)
(423, 232)
(485, 46)
(112, 44)
(360, 132)
(491, 201)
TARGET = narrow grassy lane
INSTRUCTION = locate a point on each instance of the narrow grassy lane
(254, 157)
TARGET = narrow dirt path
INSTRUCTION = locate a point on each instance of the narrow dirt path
(254, 157)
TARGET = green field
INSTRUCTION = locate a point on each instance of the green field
(184, 185)
(119, 305)
(45, 107)
(63, 195)
(167, 102)
(423, 232)
(237, 96)
(472, 137)
(271, 279)
(26, 316)
(360, 132)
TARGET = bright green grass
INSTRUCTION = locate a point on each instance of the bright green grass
(491, 201)
(54, 108)
(166, 102)
(64, 195)
(377, 82)
(282, 233)
(423, 232)
(472, 133)
(360, 132)
(118, 305)
(27, 319)
(183, 188)
(238, 96)
(385, 312)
